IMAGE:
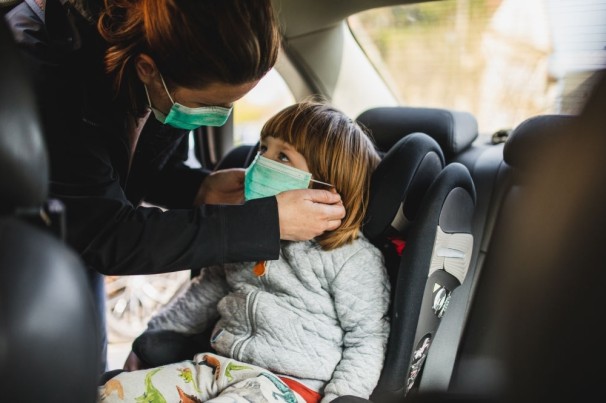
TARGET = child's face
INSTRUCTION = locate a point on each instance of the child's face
(282, 152)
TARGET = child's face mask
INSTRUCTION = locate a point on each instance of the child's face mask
(265, 177)
(183, 117)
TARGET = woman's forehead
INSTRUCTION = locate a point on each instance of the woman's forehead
(215, 93)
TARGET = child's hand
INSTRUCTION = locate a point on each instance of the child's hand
(307, 213)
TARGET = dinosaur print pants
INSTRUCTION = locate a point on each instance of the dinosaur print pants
(206, 378)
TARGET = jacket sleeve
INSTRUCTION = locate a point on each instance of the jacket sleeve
(116, 238)
(150, 241)
(196, 308)
(361, 295)
(177, 184)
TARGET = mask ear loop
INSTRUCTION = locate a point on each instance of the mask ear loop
(166, 88)
(147, 95)
(321, 185)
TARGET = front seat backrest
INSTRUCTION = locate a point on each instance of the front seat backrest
(48, 327)
(23, 159)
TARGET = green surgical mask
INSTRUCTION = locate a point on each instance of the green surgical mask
(183, 117)
(265, 177)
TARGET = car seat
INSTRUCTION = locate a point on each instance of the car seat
(48, 329)
(397, 187)
(453, 130)
(433, 264)
(523, 155)
(527, 336)
(414, 201)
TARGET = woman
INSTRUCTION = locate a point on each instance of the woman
(120, 85)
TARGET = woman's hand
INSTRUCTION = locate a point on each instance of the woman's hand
(225, 186)
(133, 363)
(307, 213)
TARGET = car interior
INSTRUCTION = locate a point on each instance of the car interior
(493, 248)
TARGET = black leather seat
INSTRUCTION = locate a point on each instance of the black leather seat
(520, 173)
(48, 329)
(498, 172)
(397, 188)
(433, 264)
(532, 333)
(454, 131)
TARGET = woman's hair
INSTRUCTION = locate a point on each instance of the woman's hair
(337, 151)
(193, 42)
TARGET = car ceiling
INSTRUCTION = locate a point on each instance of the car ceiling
(299, 17)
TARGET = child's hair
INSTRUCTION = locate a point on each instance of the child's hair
(337, 151)
(193, 42)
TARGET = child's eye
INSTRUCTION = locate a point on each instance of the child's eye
(262, 149)
(282, 157)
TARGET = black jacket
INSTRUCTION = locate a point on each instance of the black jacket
(85, 132)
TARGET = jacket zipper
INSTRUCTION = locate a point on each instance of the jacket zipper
(263, 279)
(251, 303)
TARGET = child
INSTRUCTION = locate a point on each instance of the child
(308, 327)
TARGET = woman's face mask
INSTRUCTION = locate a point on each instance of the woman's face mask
(183, 117)
(266, 177)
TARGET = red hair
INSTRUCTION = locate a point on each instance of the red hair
(193, 42)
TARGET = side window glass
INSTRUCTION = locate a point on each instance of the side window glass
(501, 60)
(255, 108)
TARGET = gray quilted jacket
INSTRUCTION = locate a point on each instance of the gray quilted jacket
(318, 316)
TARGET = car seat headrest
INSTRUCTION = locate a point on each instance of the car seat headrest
(453, 130)
(23, 159)
(528, 141)
(399, 183)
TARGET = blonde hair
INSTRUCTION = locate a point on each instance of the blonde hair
(337, 151)
(193, 42)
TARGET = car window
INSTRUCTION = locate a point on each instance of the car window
(501, 60)
(255, 108)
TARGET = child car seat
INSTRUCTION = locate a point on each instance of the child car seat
(433, 218)
(433, 264)
(397, 187)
